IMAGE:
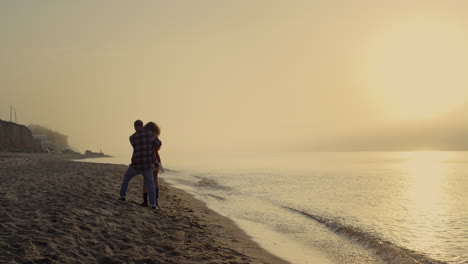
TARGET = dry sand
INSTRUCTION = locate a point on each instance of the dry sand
(54, 210)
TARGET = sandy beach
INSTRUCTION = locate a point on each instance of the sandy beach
(55, 210)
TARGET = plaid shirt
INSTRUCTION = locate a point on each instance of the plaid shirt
(143, 143)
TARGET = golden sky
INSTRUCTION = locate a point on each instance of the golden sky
(233, 74)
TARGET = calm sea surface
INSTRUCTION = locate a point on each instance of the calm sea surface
(366, 207)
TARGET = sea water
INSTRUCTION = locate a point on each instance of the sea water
(337, 207)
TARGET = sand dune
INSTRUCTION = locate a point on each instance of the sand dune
(54, 210)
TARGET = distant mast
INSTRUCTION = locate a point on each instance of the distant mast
(13, 110)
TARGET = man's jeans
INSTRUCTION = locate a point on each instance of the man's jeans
(147, 174)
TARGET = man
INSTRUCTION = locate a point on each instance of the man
(143, 160)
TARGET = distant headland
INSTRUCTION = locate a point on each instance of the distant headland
(37, 139)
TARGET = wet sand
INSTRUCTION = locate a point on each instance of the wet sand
(54, 210)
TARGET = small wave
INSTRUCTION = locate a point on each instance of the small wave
(217, 197)
(171, 170)
(388, 251)
(210, 183)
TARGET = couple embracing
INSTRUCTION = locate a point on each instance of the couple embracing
(145, 160)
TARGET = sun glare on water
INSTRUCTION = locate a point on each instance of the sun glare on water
(426, 196)
(416, 68)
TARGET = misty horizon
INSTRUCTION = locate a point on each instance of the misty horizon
(220, 75)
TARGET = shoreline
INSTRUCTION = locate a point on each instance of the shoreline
(57, 210)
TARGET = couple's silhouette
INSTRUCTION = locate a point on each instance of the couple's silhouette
(145, 161)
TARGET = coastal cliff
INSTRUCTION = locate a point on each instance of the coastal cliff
(14, 137)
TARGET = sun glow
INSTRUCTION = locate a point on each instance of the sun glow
(416, 69)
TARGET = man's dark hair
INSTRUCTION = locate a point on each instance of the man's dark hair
(138, 123)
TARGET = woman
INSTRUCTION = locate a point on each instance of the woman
(151, 126)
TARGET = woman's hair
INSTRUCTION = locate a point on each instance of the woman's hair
(152, 127)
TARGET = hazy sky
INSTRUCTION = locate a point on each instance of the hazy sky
(235, 73)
